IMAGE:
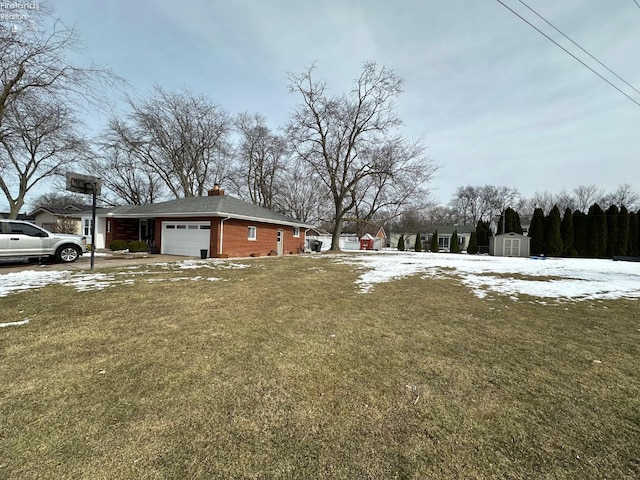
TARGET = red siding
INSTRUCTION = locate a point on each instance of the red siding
(236, 243)
(235, 232)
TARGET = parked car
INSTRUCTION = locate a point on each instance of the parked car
(20, 239)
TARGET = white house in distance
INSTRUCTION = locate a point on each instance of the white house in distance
(444, 237)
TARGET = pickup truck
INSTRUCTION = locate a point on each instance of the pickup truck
(20, 239)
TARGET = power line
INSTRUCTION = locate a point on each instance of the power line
(567, 51)
(565, 36)
(636, 2)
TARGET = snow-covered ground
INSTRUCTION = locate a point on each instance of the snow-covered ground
(556, 278)
(562, 279)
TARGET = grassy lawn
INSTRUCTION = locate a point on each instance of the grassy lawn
(284, 370)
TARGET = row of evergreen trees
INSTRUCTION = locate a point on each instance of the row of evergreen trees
(598, 233)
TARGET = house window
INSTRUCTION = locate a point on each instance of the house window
(296, 231)
(86, 227)
(252, 233)
(443, 243)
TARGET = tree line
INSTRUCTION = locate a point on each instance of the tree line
(597, 233)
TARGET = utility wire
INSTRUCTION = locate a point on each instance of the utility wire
(636, 2)
(565, 36)
(567, 51)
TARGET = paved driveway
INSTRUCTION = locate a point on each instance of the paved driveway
(84, 262)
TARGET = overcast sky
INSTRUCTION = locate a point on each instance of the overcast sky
(495, 101)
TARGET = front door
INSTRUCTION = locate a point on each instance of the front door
(279, 242)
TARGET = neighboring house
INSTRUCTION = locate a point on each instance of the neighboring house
(444, 237)
(509, 245)
(221, 224)
(64, 220)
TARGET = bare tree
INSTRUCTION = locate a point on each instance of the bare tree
(543, 200)
(59, 199)
(565, 200)
(442, 215)
(304, 195)
(39, 139)
(399, 186)
(587, 195)
(482, 202)
(261, 157)
(336, 135)
(179, 136)
(123, 179)
(623, 196)
(36, 73)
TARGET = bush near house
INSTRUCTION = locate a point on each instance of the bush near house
(132, 246)
(116, 245)
(138, 246)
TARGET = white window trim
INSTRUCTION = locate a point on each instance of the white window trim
(296, 232)
(252, 230)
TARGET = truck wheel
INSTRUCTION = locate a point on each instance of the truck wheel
(68, 253)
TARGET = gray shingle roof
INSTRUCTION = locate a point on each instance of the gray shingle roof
(210, 206)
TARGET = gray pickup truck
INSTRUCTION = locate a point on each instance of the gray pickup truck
(20, 239)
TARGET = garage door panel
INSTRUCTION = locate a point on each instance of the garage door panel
(185, 238)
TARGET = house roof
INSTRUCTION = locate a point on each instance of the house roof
(72, 210)
(21, 216)
(442, 230)
(209, 206)
(448, 229)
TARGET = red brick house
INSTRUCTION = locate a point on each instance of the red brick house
(225, 226)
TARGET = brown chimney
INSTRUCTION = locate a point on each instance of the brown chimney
(216, 190)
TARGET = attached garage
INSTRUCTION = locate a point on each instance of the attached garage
(185, 238)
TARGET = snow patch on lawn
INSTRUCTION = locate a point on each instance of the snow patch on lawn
(560, 278)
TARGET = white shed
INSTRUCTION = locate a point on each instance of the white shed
(509, 245)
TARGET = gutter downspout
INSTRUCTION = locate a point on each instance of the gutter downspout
(222, 220)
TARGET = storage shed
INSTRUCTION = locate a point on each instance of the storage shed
(509, 245)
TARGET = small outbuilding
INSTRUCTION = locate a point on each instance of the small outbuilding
(509, 245)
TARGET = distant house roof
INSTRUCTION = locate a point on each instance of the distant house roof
(448, 229)
(21, 216)
(209, 206)
(71, 210)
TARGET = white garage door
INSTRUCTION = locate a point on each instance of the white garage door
(185, 238)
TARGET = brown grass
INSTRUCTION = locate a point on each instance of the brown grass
(284, 370)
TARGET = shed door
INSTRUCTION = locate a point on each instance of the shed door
(511, 247)
(185, 238)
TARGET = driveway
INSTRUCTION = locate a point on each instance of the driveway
(101, 260)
